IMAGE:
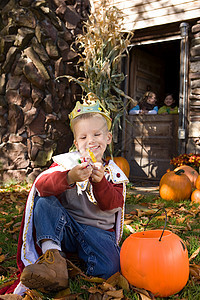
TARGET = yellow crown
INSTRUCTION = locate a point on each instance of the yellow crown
(94, 107)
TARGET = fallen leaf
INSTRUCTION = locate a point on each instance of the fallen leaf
(127, 222)
(33, 294)
(130, 228)
(144, 297)
(195, 272)
(7, 225)
(114, 279)
(62, 293)
(107, 287)
(94, 290)
(94, 279)
(115, 294)
(11, 297)
(194, 254)
(2, 258)
(123, 283)
(96, 296)
(20, 208)
(13, 197)
(7, 283)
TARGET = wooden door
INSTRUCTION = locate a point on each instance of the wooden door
(150, 141)
(145, 74)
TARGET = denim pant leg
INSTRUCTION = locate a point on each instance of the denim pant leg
(95, 246)
(49, 221)
(98, 248)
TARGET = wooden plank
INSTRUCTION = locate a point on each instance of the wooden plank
(129, 25)
(153, 3)
(147, 12)
(140, 14)
(150, 142)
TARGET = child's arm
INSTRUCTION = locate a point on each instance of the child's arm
(57, 182)
(154, 111)
(108, 194)
(174, 110)
(162, 110)
(135, 110)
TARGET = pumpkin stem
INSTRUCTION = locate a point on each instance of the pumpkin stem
(179, 172)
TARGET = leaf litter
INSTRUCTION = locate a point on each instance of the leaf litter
(181, 220)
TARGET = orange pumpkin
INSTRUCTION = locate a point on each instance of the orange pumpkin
(198, 182)
(191, 173)
(195, 197)
(160, 266)
(122, 163)
(175, 186)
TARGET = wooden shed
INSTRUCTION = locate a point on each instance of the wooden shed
(164, 56)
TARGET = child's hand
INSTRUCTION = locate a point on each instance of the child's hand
(98, 172)
(80, 172)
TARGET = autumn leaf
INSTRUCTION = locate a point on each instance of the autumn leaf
(115, 294)
(195, 272)
(194, 254)
(2, 258)
(105, 286)
(11, 297)
(123, 283)
(94, 290)
(32, 295)
(127, 222)
(62, 293)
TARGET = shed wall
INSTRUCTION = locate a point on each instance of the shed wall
(141, 14)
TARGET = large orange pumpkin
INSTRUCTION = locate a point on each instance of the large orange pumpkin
(122, 163)
(191, 173)
(158, 265)
(198, 182)
(195, 197)
(175, 186)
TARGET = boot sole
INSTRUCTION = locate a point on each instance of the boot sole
(34, 281)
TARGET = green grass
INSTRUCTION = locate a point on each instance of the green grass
(183, 220)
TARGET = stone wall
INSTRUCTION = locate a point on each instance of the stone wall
(36, 36)
(194, 90)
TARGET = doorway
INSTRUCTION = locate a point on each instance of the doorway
(151, 141)
(155, 67)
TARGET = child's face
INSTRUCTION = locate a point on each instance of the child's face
(169, 100)
(151, 99)
(92, 133)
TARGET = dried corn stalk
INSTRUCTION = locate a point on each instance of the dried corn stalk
(101, 47)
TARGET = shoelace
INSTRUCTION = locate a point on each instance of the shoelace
(48, 256)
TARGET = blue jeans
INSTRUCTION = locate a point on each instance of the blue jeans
(97, 247)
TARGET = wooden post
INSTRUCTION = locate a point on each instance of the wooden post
(183, 93)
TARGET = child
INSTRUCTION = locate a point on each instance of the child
(169, 107)
(77, 205)
(147, 105)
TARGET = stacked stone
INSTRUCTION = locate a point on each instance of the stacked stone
(194, 93)
(35, 48)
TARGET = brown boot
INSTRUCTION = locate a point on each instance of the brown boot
(48, 273)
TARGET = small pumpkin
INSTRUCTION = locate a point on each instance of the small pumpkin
(175, 186)
(195, 197)
(198, 182)
(122, 163)
(190, 172)
(159, 266)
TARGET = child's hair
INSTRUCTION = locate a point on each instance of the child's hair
(87, 116)
(172, 95)
(146, 96)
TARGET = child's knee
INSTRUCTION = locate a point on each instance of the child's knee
(104, 269)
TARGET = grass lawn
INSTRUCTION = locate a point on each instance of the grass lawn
(183, 219)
